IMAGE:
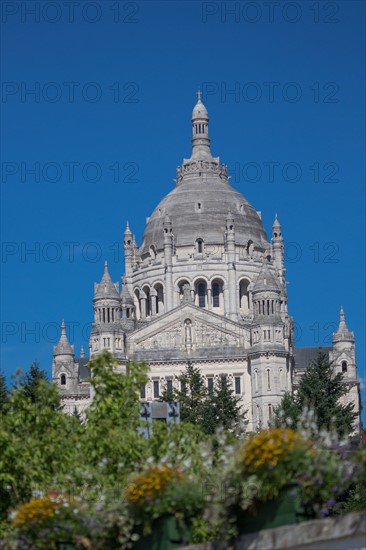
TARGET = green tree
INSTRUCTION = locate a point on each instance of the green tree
(28, 381)
(204, 408)
(4, 394)
(38, 444)
(320, 390)
(288, 410)
(226, 410)
(116, 394)
(112, 442)
(191, 395)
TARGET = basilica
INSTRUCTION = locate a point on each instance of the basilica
(206, 285)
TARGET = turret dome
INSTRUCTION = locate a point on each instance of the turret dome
(199, 110)
(106, 289)
(63, 347)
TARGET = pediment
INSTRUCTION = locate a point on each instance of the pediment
(188, 327)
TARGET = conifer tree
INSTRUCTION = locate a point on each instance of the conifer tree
(191, 395)
(226, 405)
(321, 390)
(207, 409)
(29, 382)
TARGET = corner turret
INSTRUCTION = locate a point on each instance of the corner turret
(343, 357)
(63, 369)
(106, 332)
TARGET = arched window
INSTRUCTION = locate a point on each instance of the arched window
(250, 249)
(268, 379)
(216, 291)
(269, 414)
(256, 380)
(244, 297)
(201, 291)
(147, 312)
(137, 302)
(281, 379)
(199, 246)
(344, 366)
(159, 298)
(63, 379)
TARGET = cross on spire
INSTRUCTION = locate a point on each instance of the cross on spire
(199, 93)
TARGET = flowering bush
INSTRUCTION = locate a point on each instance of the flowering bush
(45, 521)
(163, 490)
(325, 481)
(273, 457)
(356, 497)
(148, 486)
(317, 471)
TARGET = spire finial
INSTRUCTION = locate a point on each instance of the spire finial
(105, 266)
(276, 222)
(343, 333)
(200, 137)
(63, 347)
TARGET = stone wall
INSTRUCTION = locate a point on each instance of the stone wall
(339, 533)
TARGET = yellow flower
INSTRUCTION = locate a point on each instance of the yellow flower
(36, 509)
(268, 447)
(151, 483)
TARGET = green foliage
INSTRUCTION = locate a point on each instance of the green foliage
(289, 411)
(206, 409)
(113, 525)
(110, 439)
(4, 393)
(164, 490)
(94, 455)
(178, 443)
(223, 409)
(116, 395)
(42, 448)
(320, 390)
(45, 520)
(37, 443)
(28, 382)
(355, 500)
(191, 395)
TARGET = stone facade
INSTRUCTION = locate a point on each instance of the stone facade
(206, 285)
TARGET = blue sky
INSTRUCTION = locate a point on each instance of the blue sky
(108, 121)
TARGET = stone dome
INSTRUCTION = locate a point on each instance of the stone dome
(198, 209)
